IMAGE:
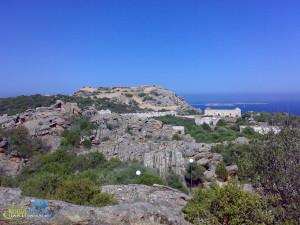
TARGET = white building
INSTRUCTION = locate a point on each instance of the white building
(178, 129)
(223, 112)
(210, 120)
(104, 112)
(262, 129)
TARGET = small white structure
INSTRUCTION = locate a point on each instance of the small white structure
(223, 112)
(210, 120)
(104, 112)
(178, 129)
(262, 129)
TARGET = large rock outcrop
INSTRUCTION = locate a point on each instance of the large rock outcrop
(148, 141)
(45, 122)
(145, 97)
(154, 205)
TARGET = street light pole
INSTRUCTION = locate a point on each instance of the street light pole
(191, 179)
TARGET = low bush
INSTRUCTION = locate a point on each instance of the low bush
(221, 123)
(219, 148)
(83, 192)
(80, 127)
(176, 137)
(71, 138)
(226, 205)
(221, 171)
(196, 171)
(250, 133)
(128, 95)
(20, 141)
(41, 185)
(174, 181)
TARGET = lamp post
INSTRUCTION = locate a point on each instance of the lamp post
(191, 181)
(135, 193)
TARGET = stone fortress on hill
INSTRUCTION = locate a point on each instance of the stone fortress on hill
(223, 112)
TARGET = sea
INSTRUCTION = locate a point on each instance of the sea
(289, 103)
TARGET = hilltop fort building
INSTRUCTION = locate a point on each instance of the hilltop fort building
(223, 112)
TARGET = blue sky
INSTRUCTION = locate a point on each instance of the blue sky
(187, 46)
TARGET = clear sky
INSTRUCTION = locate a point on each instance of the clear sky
(189, 46)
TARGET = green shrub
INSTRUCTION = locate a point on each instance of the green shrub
(19, 104)
(59, 156)
(128, 95)
(41, 185)
(197, 174)
(83, 124)
(71, 138)
(88, 161)
(21, 142)
(148, 179)
(221, 123)
(226, 205)
(250, 133)
(148, 98)
(206, 127)
(275, 168)
(87, 144)
(103, 199)
(221, 171)
(234, 152)
(173, 180)
(219, 148)
(176, 137)
(6, 181)
(82, 192)
(141, 95)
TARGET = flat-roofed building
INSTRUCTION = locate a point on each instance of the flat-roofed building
(223, 112)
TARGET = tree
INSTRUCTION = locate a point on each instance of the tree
(221, 123)
(276, 162)
(226, 205)
(197, 174)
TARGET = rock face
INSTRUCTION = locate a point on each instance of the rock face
(146, 97)
(148, 141)
(10, 165)
(151, 208)
(44, 121)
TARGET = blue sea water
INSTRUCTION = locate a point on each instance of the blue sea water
(289, 103)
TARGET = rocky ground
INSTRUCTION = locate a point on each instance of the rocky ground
(139, 204)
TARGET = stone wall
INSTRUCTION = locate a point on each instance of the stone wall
(151, 114)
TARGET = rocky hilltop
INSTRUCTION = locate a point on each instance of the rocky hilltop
(145, 97)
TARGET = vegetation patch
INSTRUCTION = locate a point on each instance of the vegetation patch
(21, 143)
(78, 179)
(202, 133)
(226, 205)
